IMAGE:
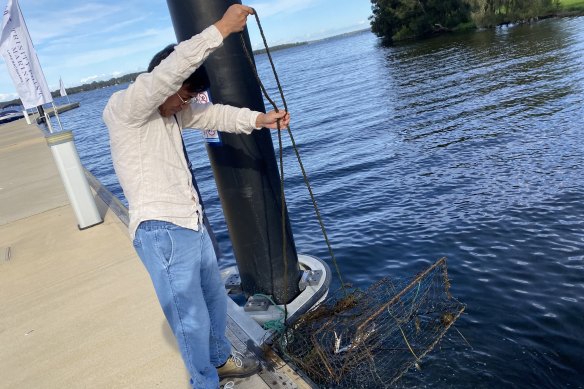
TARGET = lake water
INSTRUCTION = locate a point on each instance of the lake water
(465, 146)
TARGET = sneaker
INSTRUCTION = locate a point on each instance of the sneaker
(238, 365)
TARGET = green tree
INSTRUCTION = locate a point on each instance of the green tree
(402, 19)
(489, 13)
(385, 21)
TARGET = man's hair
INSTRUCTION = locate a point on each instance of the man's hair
(195, 83)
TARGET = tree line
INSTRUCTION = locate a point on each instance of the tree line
(404, 19)
(82, 88)
(100, 84)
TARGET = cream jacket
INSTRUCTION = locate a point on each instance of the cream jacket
(147, 148)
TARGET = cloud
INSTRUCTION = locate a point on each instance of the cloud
(267, 9)
(92, 78)
(147, 42)
(121, 25)
(64, 22)
(8, 96)
(166, 33)
(110, 60)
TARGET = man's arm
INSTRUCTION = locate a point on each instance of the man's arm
(231, 119)
(135, 105)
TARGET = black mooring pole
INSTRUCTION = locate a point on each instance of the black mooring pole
(41, 113)
(244, 166)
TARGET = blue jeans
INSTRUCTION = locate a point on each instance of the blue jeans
(184, 271)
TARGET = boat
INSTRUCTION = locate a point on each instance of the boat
(10, 115)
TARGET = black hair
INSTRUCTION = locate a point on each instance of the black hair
(195, 83)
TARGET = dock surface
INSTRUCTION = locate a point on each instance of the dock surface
(78, 307)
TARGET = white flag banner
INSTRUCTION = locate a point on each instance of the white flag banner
(62, 88)
(21, 59)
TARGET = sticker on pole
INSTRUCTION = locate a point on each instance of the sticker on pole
(211, 136)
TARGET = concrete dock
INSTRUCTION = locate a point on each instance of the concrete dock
(77, 307)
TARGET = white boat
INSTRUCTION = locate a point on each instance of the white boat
(10, 115)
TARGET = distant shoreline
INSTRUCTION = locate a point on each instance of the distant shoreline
(132, 76)
(290, 45)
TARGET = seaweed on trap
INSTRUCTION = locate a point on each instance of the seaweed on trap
(364, 339)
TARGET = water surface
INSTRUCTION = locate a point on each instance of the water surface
(465, 146)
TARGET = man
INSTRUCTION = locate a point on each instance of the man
(166, 220)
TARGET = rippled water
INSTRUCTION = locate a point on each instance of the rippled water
(465, 146)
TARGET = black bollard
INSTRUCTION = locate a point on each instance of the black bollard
(244, 166)
(41, 118)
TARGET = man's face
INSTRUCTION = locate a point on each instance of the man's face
(176, 102)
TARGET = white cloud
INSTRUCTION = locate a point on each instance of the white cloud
(267, 9)
(166, 33)
(121, 25)
(64, 21)
(149, 44)
(8, 96)
(116, 56)
(93, 78)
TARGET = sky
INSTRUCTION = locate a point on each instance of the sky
(85, 41)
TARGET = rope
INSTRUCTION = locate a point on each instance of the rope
(304, 175)
(277, 325)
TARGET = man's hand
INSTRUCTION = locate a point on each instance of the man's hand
(233, 19)
(270, 120)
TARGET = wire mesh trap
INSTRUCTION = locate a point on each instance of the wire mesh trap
(366, 339)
